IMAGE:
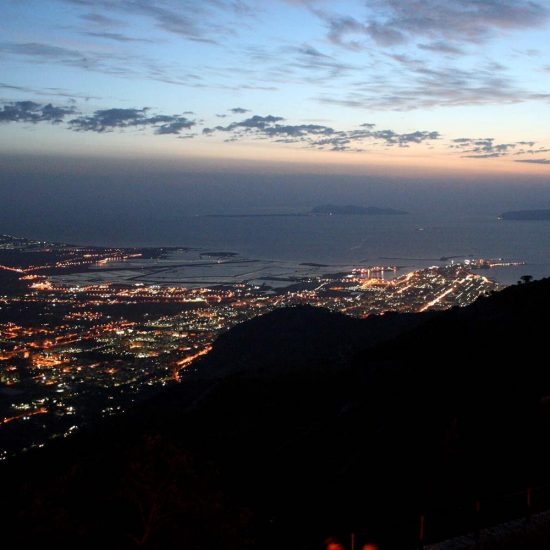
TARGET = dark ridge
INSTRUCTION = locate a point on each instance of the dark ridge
(304, 423)
(299, 340)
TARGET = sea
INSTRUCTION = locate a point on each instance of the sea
(448, 219)
(410, 241)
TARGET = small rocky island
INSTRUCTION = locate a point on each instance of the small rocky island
(352, 210)
(529, 215)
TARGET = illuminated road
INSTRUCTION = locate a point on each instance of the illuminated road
(184, 363)
(438, 299)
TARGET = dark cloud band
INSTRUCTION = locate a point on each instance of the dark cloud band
(29, 111)
(268, 127)
(107, 120)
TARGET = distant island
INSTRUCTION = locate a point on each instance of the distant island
(277, 215)
(352, 210)
(325, 210)
(531, 215)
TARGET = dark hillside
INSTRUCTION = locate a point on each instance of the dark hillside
(304, 423)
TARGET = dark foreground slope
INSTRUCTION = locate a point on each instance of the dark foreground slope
(304, 423)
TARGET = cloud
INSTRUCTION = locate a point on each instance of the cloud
(311, 59)
(253, 123)
(13, 87)
(107, 120)
(179, 22)
(101, 20)
(310, 51)
(319, 136)
(538, 151)
(41, 51)
(272, 128)
(301, 64)
(174, 126)
(239, 110)
(483, 148)
(298, 131)
(184, 18)
(384, 35)
(436, 30)
(392, 138)
(534, 161)
(29, 111)
(443, 27)
(340, 27)
(116, 36)
(421, 86)
(37, 52)
(462, 20)
(394, 22)
(350, 140)
(104, 120)
(441, 46)
(48, 92)
(115, 64)
(483, 156)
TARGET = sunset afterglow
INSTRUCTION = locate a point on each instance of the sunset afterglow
(373, 86)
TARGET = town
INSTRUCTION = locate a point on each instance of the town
(74, 351)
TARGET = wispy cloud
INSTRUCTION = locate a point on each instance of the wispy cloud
(309, 58)
(442, 46)
(119, 64)
(534, 161)
(47, 92)
(40, 51)
(394, 22)
(117, 37)
(37, 53)
(101, 20)
(186, 19)
(421, 86)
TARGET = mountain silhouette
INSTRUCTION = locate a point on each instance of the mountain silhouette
(304, 423)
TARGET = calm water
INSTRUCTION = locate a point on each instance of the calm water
(418, 240)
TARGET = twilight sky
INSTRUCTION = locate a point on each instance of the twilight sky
(378, 85)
